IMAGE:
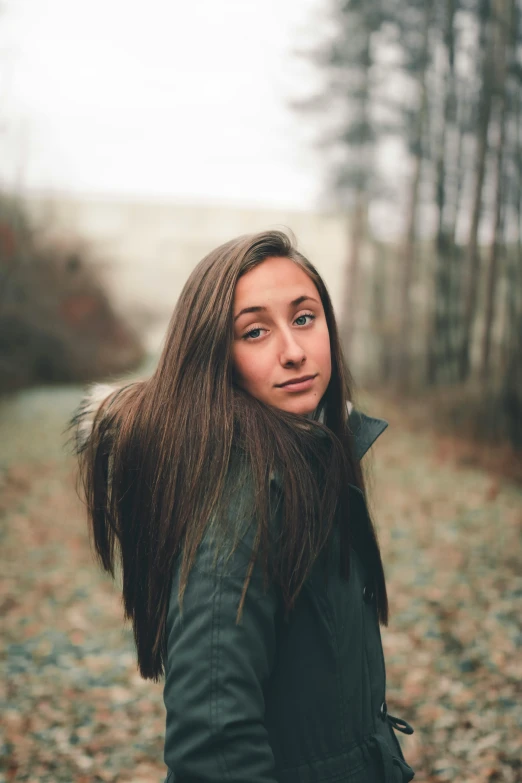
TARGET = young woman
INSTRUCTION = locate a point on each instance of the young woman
(229, 487)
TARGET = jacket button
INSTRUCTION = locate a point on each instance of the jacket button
(368, 594)
(384, 710)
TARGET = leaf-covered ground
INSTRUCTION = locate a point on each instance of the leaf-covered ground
(75, 708)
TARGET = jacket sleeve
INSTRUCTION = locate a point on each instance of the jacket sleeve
(216, 670)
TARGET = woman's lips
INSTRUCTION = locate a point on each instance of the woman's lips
(296, 386)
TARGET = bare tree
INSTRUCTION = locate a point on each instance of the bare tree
(472, 255)
(503, 18)
(417, 64)
(448, 141)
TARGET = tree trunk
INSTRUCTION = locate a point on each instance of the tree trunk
(512, 380)
(360, 211)
(453, 206)
(501, 26)
(472, 256)
(381, 311)
(403, 365)
(439, 341)
(357, 231)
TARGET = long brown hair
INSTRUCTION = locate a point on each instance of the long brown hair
(154, 469)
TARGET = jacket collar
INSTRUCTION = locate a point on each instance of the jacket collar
(365, 430)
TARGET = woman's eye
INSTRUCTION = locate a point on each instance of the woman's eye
(302, 318)
(253, 334)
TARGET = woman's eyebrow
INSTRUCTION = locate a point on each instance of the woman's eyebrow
(260, 308)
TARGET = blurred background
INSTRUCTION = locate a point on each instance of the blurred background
(135, 137)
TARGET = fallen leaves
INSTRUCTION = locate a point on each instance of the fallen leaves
(78, 711)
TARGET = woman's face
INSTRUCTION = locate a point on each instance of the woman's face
(281, 349)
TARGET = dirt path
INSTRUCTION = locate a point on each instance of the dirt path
(76, 708)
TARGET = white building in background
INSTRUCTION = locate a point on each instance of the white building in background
(148, 248)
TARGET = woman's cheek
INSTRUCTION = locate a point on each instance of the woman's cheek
(245, 365)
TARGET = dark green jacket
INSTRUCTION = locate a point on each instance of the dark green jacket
(269, 700)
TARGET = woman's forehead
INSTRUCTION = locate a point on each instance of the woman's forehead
(274, 280)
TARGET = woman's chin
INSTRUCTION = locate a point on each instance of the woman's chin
(303, 407)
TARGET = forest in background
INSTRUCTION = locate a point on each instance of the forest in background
(442, 306)
(437, 314)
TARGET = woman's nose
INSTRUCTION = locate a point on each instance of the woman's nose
(291, 351)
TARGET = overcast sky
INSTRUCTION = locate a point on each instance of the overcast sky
(167, 98)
